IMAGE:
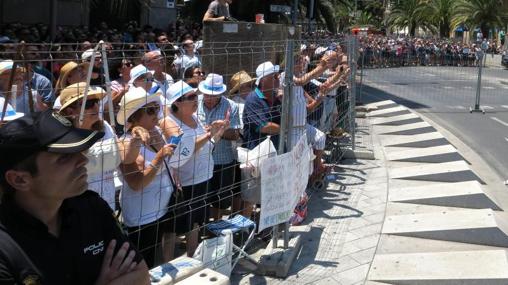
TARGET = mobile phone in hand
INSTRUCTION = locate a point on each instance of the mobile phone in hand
(175, 139)
(228, 114)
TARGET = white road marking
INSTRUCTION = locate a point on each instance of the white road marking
(504, 106)
(468, 87)
(506, 139)
(447, 87)
(488, 107)
(456, 107)
(488, 87)
(500, 121)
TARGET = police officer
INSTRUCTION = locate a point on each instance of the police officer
(53, 231)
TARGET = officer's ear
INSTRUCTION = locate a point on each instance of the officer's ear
(20, 180)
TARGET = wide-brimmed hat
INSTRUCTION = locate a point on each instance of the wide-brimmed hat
(240, 78)
(212, 85)
(66, 70)
(177, 90)
(10, 113)
(6, 65)
(138, 71)
(76, 91)
(265, 69)
(134, 100)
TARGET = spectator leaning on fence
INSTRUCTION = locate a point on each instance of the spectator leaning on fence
(261, 114)
(193, 161)
(146, 197)
(53, 230)
(213, 106)
(300, 103)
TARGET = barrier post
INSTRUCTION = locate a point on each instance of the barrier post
(351, 46)
(476, 107)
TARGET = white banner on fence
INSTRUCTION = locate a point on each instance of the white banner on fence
(283, 180)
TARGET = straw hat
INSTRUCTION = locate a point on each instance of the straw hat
(134, 100)
(238, 79)
(65, 71)
(76, 91)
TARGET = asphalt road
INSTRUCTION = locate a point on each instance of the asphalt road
(444, 94)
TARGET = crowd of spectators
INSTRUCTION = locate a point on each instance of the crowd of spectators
(382, 51)
(176, 125)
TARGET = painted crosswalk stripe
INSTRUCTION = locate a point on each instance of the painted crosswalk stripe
(504, 106)
(500, 121)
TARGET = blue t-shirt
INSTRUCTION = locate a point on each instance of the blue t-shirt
(42, 86)
(257, 113)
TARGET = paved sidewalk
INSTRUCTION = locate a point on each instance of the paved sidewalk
(345, 220)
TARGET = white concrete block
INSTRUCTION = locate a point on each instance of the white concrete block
(386, 112)
(394, 119)
(455, 171)
(394, 140)
(435, 154)
(467, 226)
(205, 277)
(175, 270)
(467, 194)
(392, 129)
(489, 267)
(379, 104)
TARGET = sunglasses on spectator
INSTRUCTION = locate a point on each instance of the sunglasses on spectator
(199, 72)
(90, 103)
(152, 110)
(190, 97)
(128, 64)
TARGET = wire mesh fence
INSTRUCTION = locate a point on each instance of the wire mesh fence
(189, 130)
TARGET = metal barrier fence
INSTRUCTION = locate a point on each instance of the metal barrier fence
(169, 198)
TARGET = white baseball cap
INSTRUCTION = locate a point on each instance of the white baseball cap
(265, 69)
(212, 85)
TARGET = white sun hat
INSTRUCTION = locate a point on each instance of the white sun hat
(212, 85)
(10, 113)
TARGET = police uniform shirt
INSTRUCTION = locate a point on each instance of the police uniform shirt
(75, 257)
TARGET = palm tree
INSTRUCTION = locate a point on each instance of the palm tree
(411, 14)
(485, 14)
(441, 12)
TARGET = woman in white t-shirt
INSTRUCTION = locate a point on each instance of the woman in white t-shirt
(105, 155)
(193, 161)
(148, 190)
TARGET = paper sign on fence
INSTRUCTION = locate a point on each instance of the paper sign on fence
(283, 180)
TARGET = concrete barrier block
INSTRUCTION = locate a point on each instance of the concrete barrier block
(392, 129)
(467, 194)
(205, 277)
(455, 171)
(175, 270)
(380, 104)
(483, 267)
(437, 154)
(394, 119)
(393, 111)
(404, 141)
(467, 226)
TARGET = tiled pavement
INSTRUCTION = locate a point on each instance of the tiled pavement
(346, 221)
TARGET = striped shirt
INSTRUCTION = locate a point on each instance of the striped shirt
(298, 104)
(224, 152)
